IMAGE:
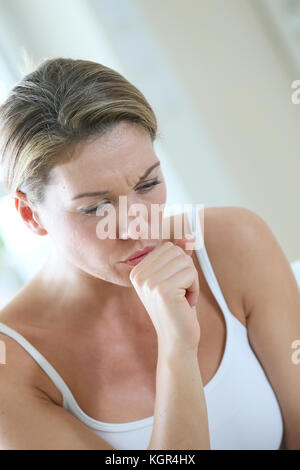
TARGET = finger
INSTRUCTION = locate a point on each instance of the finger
(149, 259)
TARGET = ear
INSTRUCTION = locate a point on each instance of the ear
(28, 214)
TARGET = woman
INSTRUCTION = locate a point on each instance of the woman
(108, 355)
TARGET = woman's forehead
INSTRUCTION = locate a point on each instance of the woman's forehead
(116, 141)
(117, 150)
(101, 173)
(101, 168)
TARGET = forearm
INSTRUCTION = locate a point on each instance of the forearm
(180, 414)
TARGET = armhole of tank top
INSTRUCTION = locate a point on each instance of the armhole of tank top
(208, 269)
(41, 361)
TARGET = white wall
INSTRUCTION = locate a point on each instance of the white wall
(219, 87)
(239, 86)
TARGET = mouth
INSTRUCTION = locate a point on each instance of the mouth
(138, 256)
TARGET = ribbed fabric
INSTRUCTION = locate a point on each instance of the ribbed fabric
(243, 411)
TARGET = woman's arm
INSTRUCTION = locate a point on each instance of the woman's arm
(180, 416)
(30, 421)
(271, 298)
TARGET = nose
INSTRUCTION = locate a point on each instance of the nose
(134, 226)
(136, 229)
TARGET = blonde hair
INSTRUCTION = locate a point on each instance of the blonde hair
(60, 103)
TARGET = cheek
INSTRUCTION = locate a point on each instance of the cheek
(163, 192)
(76, 237)
(82, 239)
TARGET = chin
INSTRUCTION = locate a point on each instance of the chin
(124, 282)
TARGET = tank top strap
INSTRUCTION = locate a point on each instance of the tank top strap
(212, 280)
(39, 358)
(196, 226)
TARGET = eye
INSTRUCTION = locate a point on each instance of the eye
(145, 188)
(150, 185)
(93, 209)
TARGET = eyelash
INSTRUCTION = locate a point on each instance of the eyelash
(147, 187)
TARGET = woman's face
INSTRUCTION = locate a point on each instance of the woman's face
(114, 163)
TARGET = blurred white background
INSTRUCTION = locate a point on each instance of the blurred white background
(218, 76)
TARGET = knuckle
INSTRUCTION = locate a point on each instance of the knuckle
(188, 262)
(178, 250)
(190, 270)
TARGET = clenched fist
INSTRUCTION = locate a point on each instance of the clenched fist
(167, 283)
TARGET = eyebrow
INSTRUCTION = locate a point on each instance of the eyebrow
(101, 193)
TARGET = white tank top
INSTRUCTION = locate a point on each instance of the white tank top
(243, 411)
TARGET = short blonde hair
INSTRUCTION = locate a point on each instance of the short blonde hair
(60, 103)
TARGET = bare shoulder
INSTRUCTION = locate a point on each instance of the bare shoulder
(228, 232)
(225, 230)
(19, 367)
(20, 372)
(227, 224)
(223, 224)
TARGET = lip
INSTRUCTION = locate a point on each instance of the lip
(139, 253)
